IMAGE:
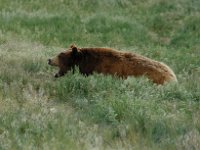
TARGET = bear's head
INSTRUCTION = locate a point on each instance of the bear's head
(65, 60)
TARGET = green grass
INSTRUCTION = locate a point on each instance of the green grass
(98, 112)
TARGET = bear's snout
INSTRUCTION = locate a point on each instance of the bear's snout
(53, 61)
(49, 61)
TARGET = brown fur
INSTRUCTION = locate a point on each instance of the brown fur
(110, 61)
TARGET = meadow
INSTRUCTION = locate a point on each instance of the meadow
(38, 111)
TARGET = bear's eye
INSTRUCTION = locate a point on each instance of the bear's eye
(62, 55)
(64, 59)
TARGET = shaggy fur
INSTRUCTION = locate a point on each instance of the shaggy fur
(110, 61)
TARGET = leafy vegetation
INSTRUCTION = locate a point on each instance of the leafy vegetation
(102, 112)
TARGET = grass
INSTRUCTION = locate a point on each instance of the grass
(98, 112)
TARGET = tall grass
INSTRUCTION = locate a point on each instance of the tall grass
(98, 112)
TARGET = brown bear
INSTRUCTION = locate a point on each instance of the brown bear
(113, 62)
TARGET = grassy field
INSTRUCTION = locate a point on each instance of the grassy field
(98, 112)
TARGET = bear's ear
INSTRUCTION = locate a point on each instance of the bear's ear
(74, 51)
(73, 45)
